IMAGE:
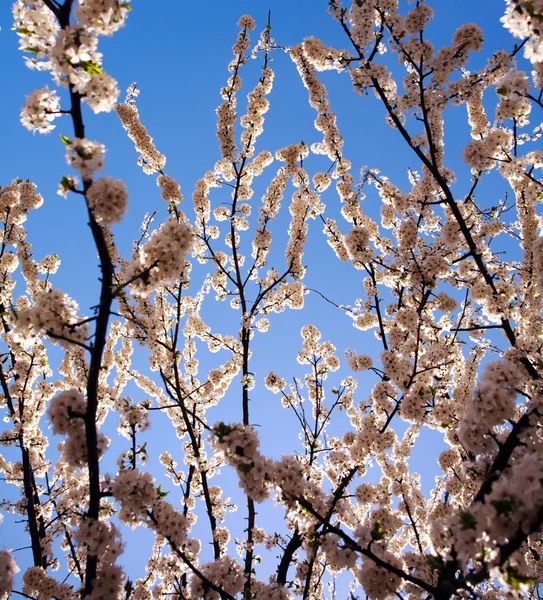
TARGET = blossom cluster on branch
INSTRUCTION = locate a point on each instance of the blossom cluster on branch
(451, 295)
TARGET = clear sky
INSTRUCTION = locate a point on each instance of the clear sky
(178, 52)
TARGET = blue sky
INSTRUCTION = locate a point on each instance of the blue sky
(177, 52)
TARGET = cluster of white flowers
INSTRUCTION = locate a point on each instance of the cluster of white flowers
(517, 497)
(170, 522)
(224, 573)
(273, 591)
(261, 241)
(226, 112)
(101, 93)
(246, 22)
(51, 313)
(321, 56)
(85, 156)
(285, 295)
(109, 583)
(476, 155)
(259, 163)
(510, 506)
(107, 200)
(512, 90)
(258, 475)
(468, 37)
(239, 445)
(274, 383)
(201, 201)
(67, 413)
(318, 99)
(73, 50)
(8, 568)
(336, 240)
(396, 368)
(225, 126)
(379, 583)
(492, 404)
(70, 54)
(358, 362)
(523, 20)
(253, 120)
(162, 258)
(325, 351)
(100, 539)
(40, 110)
(321, 181)
(337, 556)
(74, 60)
(9, 262)
(37, 583)
(171, 191)
(133, 417)
(151, 159)
(37, 28)
(16, 199)
(357, 242)
(272, 200)
(407, 235)
(416, 20)
(298, 227)
(136, 493)
(104, 17)
(362, 17)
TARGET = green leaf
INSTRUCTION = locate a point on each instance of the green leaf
(160, 493)
(502, 91)
(126, 6)
(515, 579)
(435, 562)
(246, 467)
(14, 312)
(67, 183)
(31, 50)
(92, 67)
(377, 531)
(314, 542)
(221, 429)
(23, 31)
(467, 521)
(65, 140)
(504, 506)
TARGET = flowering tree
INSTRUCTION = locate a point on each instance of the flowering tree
(453, 288)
